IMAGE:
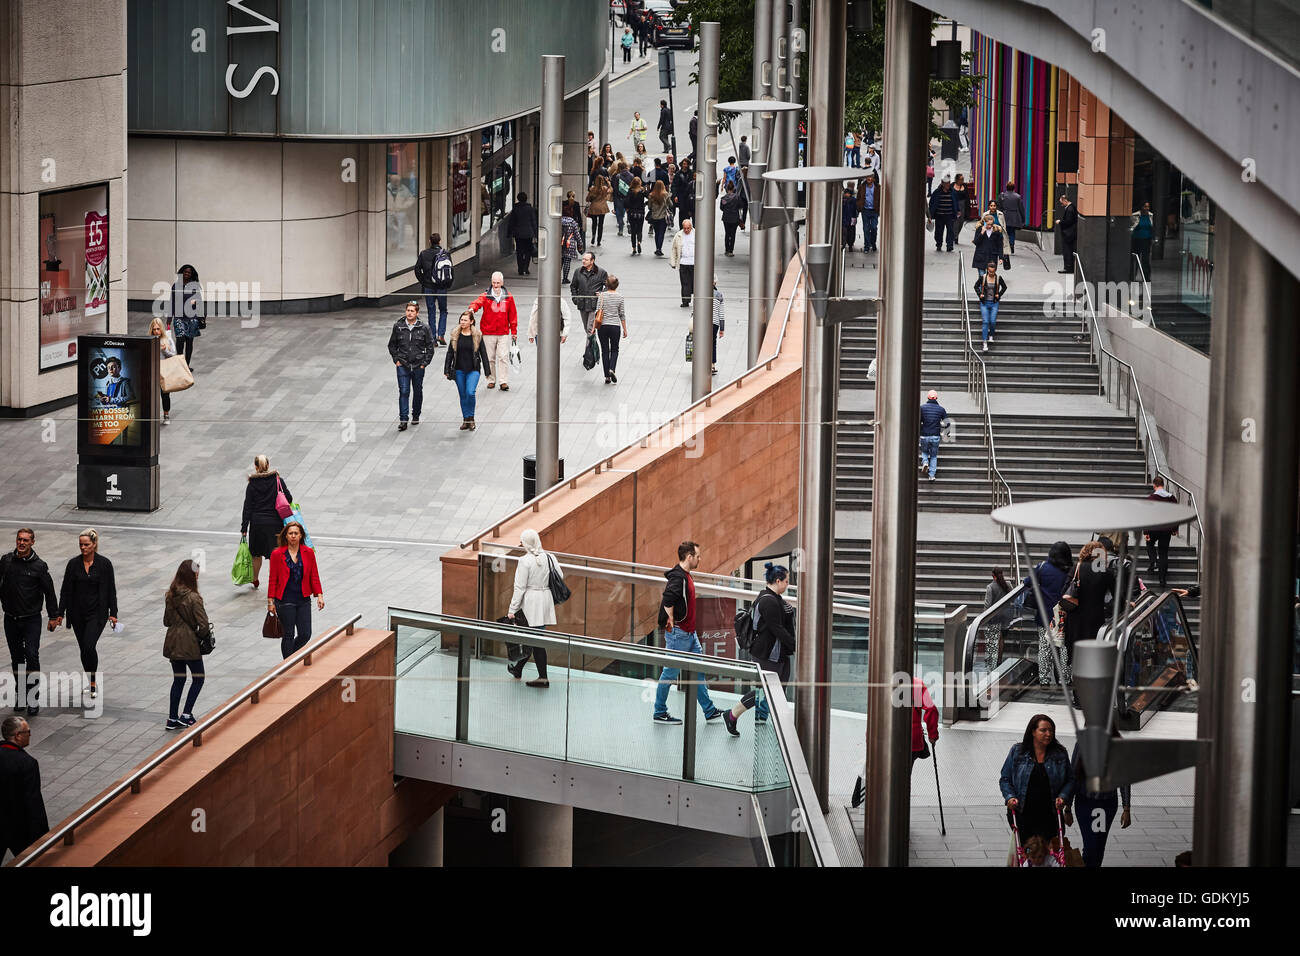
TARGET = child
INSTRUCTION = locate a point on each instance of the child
(1036, 853)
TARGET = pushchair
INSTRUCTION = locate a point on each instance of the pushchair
(1060, 844)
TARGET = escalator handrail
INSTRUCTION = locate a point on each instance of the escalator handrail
(1143, 611)
(967, 662)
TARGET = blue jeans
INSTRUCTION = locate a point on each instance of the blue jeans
(467, 385)
(435, 299)
(1011, 238)
(1085, 809)
(295, 624)
(679, 640)
(409, 379)
(870, 222)
(930, 452)
(989, 314)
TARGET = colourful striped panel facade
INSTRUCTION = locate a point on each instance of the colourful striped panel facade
(1011, 128)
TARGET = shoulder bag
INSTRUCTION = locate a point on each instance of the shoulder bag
(559, 590)
(1070, 596)
(282, 506)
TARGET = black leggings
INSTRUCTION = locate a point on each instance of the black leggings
(166, 401)
(597, 221)
(88, 632)
(635, 229)
(609, 335)
(178, 684)
(185, 347)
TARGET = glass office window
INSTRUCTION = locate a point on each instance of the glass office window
(402, 207)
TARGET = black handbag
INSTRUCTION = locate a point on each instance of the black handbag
(515, 652)
(207, 639)
(1070, 596)
(559, 590)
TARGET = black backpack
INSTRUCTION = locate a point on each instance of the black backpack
(746, 627)
(443, 273)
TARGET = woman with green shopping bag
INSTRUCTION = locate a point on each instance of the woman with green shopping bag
(266, 505)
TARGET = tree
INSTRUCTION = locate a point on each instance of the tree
(865, 59)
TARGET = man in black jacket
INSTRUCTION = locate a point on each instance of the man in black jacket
(943, 211)
(677, 618)
(22, 811)
(1069, 220)
(522, 228)
(411, 346)
(665, 128)
(434, 289)
(587, 285)
(24, 581)
(1157, 539)
(732, 204)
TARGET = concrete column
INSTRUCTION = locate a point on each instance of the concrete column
(758, 306)
(602, 134)
(706, 214)
(1250, 516)
(64, 87)
(778, 256)
(543, 833)
(551, 194)
(423, 847)
(820, 394)
(898, 382)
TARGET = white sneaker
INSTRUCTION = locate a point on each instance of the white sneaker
(986, 346)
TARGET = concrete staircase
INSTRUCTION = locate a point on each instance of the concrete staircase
(963, 485)
(1031, 352)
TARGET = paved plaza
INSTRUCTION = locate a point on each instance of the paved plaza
(317, 394)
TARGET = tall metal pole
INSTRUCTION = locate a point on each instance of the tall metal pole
(820, 401)
(603, 128)
(548, 278)
(778, 255)
(898, 383)
(758, 307)
(706, 195)
(1250, 506)
(795, 88)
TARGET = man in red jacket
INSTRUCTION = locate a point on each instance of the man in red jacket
(498, 321)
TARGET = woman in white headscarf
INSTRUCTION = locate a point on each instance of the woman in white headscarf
(533, 596)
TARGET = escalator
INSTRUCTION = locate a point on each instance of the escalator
(1159, 661)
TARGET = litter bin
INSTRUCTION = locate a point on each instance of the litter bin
(530, 477)
(951, 145)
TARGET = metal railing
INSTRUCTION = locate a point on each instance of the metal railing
(675, 421)
(727, 583)
(1148, 317)
(926, 612)
(977, 383)
(192, 737)
(1117, 376)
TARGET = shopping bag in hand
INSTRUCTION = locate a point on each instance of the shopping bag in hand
(297, 516)
(241, 572)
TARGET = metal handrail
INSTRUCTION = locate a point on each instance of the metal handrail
(721, 580)
(1143, 610)
(1108, 385)
(559, 640)
(194, 736)
(1148, 317)
(972, 631)
(703, 589)
(534, 505)
(999, 489)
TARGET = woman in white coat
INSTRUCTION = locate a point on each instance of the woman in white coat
(533, 596)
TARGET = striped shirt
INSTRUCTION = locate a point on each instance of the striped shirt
(611, 304)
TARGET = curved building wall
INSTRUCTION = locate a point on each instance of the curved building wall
(384, 69)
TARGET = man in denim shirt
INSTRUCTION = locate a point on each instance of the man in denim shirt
(677, 618)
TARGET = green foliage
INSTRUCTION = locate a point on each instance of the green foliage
(864, 73)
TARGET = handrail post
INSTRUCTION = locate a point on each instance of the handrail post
(462, 687)
(689, 719)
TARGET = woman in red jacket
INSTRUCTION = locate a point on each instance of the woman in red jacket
(294, 582)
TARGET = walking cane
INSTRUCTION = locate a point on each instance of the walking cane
(934, 755)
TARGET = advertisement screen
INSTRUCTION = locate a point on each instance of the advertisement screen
(117, 397)
(73, 271)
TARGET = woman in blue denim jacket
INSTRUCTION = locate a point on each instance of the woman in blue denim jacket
(1037, 779)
